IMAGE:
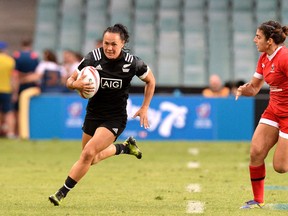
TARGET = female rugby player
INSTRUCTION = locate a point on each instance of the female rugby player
(272, 68)
(106, 115)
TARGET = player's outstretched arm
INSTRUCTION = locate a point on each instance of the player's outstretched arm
(148, 94)
(250, 89)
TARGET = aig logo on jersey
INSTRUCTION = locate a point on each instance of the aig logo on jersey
(111, 83)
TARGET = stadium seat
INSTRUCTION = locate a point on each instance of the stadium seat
(169, 66)
(194, 5)
(243, 5)
(266, 10)
(169, 45)
(46, 29)
(96, 23)
(145, 5)
(194, 67)
(148, 55)
(194, 49)
(145, 33)
(169, 4)
(71, 25)
(219, 39)
(182, 41)
(284, 12)
(121, 12)
(169, 19)
(219, 5)
(244, 52)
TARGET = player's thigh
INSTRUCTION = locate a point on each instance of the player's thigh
(85, 139)
(280, 159)
(101, 139)
(264, 138)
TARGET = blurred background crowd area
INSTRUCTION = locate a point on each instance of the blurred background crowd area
(183, 41)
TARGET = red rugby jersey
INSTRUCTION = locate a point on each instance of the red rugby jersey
(274, 70)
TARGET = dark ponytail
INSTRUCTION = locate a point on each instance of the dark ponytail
(121, 29)
(274, 30)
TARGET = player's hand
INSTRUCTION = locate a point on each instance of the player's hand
(238, 93)
(142, 113)
(240, 90)
(83, 86)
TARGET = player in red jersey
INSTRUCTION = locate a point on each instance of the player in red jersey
(272, 68)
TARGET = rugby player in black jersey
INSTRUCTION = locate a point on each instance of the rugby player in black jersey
(106, 115)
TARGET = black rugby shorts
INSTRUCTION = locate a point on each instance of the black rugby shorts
(115, 126)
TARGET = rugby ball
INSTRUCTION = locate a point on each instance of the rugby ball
(92, 76)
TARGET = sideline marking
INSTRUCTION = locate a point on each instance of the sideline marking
(193, 188)
(193, 165)
(193, 151)
(276, 187)
(195, 207)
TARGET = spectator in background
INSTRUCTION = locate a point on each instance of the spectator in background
(71, 61)
(215, 89)
(26, 62)
(8, 92)
(48, 74)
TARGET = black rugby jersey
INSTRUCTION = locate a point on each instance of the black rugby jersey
(115, 76)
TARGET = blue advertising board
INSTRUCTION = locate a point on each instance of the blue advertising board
(171, 118)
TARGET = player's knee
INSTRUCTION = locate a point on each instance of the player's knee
(87, 155)
(256, 154)
(280, 168)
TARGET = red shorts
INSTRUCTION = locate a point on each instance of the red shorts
(269, 118)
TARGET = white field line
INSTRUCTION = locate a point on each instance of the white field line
(193, 165)
(193, 188)
(193, 151)
(195, 207)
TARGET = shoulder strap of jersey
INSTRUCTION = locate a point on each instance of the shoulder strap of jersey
(97, 54)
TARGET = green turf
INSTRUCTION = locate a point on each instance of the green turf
(123, 185)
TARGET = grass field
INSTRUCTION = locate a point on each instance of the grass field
(153, 186)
